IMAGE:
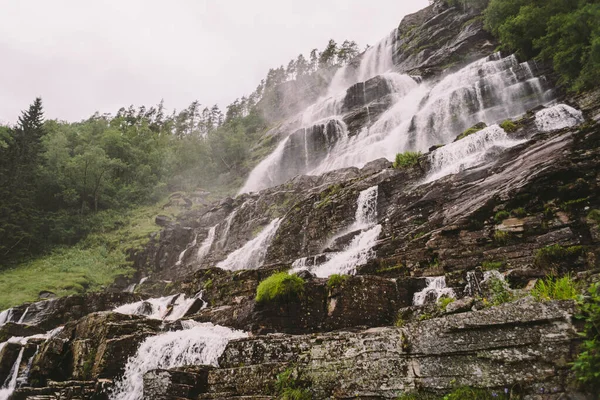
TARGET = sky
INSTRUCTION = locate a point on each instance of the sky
(83, 56)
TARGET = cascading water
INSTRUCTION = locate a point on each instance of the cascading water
(6, 316)
(358, 251)
(169, 308)
(252, 254)
(435, 290)
(225, 232)
(11, 382)
(422, 114)
(182, 254)
(206, 244)
(558, 117)
(23, 316)
(197, 344)
(467, 152)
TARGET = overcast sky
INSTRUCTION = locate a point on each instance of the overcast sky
(83, 56)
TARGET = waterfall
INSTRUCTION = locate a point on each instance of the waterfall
(198, 344)
(131, 288)
(358, 251)
(422, 114)
(225, 233)
(182, 254)
(558, 117)
(436, 287)
(11, 382)
(206, 244)
(252, 254)
(168, 308)
(6, 316)
(467, 152)
(23, 316)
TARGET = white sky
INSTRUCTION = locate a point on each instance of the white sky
(83, 56)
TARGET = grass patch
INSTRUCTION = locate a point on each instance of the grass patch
(287, 387)
(501, 237)
(556, 253)
(501, 216)
(490, 265)
(444, 301)
(509, 126)
(89, 266)
(594, 215)
(552, 288)
(519, 212)
(280, 287)
(336, 280)
(471, 131)
(407, 159)
(573, 205)
(469, 393)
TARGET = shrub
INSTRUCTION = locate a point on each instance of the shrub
(594, 215)
(336, 280)
(509, 126)
(551, 288)
(501, 216)
(519, 212)
(501, 237)
(471, 131)
(444, 301)
(587, 364)
(406, 159)
(400, 322)
(499, 292)
(288, 388)
(425, 317)
(280, 287)
(556, 253)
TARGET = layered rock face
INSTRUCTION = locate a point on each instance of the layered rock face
(377, 248)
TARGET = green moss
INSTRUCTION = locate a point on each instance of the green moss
(336, 280)
(425, 317)
(594, 215)
(88, 364)
(501, 237)
(400, 322)
(407, 159)
(556, 253)
(509, 126)
(501, 216)
(490, 265)
(327, 195)
(519, 213)
(397, 267)
(469, 132)
(573, 205)
(418, 396)
(280, 287)
(208, 284)
(551, 288)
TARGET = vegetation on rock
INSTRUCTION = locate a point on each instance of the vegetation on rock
(552, 288)
(406, 159)
(509, 126)
(280, 287)
(587, 364)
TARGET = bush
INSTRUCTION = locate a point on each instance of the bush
(594, 215)
(407, 159)
(509, 126)
(501, 216)
(288, 388)
(490, 265)
(519, 213)
(587, 364)
(551, 288)
(500, 293)
(280, 287)
(444, 301)
(501, 237)
(336, 280)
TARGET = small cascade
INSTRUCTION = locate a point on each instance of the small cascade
(207, 244)
(131, 288)
(358, 251)
(11, 382)
(252, 254)
(169, 308)
(375, 61)
(182, 254)
(557, 117)
(225, 232)
(197, 344)
(467, 152)
(435, 289)
(23, 316)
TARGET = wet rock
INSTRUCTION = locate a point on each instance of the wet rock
(11, 329)
(462, 305)
(163, 220)
(177, 383)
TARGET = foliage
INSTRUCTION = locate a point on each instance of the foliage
(336, 280)
(425, 317)
(552, 288)
(400, 322)
(469, 393)
(444, 301)
(470, 131)
(406, 159)
(501, 237)
(564, 32)
(288, 388)
(519, 213)
(501, 216)
(418, 396)
(556, 253)
(499, 292)
(492, 265)
(509, 126)
(587, 365)
(280, 287)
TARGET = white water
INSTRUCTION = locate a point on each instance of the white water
(206, 244)
(199, 344)
(6, 316)
(558, 117)
(467, 152)
(225, 232)
(435, 285)
(169, 308)
(182, 254)
(424, 114)
(252, 254)
(358, 251)
(23, 316)
(9, 386)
